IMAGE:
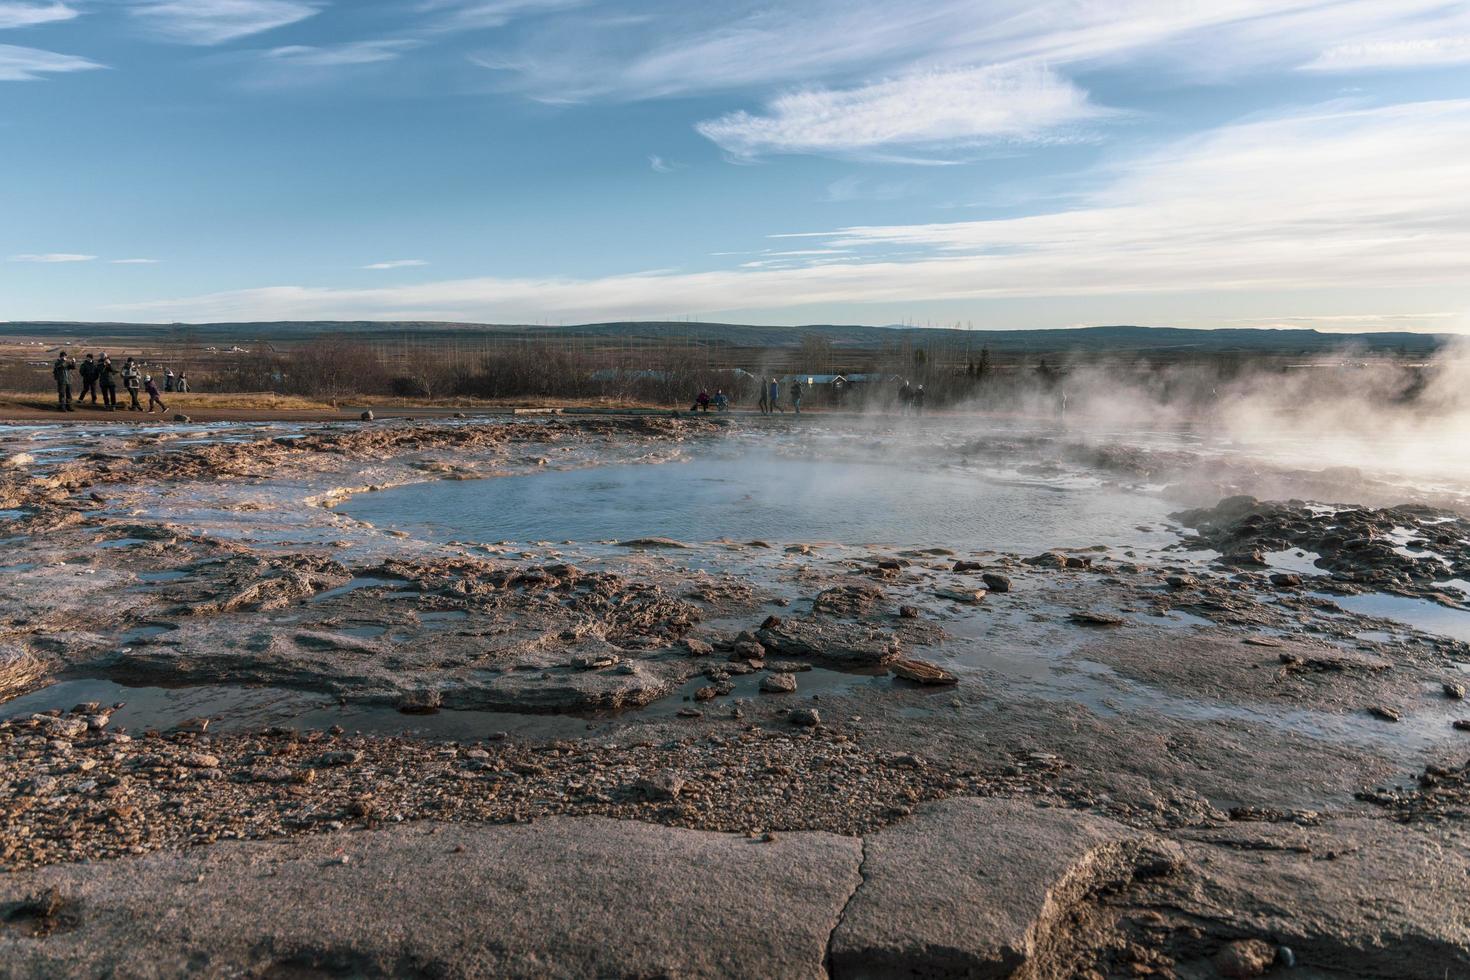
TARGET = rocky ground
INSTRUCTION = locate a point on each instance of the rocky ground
(1086, 762)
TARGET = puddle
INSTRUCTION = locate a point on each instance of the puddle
(774, 498)
(362, 582)
(1421, 614)
(1295, 561)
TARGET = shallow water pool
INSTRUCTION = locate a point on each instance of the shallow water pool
(775, 498)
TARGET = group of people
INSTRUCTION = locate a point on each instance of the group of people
(770, 400)
(100, 376)
(703, 401)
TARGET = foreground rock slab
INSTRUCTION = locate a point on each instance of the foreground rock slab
(560, 897)
(978, 888)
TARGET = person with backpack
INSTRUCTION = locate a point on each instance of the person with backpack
(61, 370)
(107, 381)
(133, 382)
(796, 396)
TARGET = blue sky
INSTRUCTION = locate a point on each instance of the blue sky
(997, 163)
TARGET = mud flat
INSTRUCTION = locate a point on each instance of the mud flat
(692, 697)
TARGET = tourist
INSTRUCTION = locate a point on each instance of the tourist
(132, 381)
(722, 401)
(168, 379)
(107, 381)
(919, 400)
(88, 370)
(182, 384)
(776, 397)
(796, 396)
(153, 396)
(701, 402)
(765, 399)
(61, 370)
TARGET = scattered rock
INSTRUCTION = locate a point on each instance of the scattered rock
(1286, 580)
(908, 612)
(1386, 714)
(966, 596)
(660, 787)
(697, 647)
(778, 683)
(805, 717)
(1454, 690)
(366, 416)
(1084, 617)
(996, 582)
(922, 672)
(1244, 958)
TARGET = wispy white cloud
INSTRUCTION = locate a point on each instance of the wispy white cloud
(19, 64)
(659, 165)
(471, 15)
(50, 257)
(397, 264)
(210, 22)
(17, 14)
(669, 49)
(1333, 199)
(1430, 52)
(133, 261)
(927, 109)
(347, 53)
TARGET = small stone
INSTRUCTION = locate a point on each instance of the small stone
(996, 582)
(181, 417)
(805, 717)
(1084, 617)
(1286, 580)
(908, 612)
(967, 596)
(344, 758)
(1244, 958)
(1461, 724)
(1454, 690)
(706, 694)
(778, 683)
(594, 661)
(922, 672)
(197, 726)
(1386, 714)
(697, 648)
(1181, 581)
(200, 760)
(661, 787)
(366, 416)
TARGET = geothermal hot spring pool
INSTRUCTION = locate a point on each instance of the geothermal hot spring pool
(780, 499)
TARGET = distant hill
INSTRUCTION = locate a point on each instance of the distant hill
(1117, 339)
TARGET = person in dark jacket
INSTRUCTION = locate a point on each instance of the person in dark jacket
(107, 381)
(88, 370)
(61, 370)
(153, 397)
(796, 396)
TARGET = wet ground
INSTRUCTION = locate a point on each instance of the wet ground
(1099, 621)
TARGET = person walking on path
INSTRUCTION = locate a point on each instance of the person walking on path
(153, 397)
(107, 381)
(62, 370)
(796, 396)
(168, 380)
(776, 397)
(132, 381)
(182, 384)
(88, 370)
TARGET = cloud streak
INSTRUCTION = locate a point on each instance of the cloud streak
(212, 22)
(52, 257)
(18, 64)
(965, 107)
(397, 264)
(30, 14)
